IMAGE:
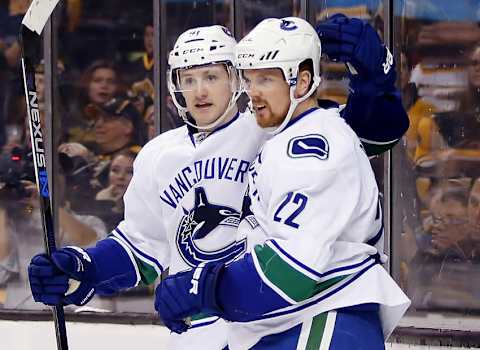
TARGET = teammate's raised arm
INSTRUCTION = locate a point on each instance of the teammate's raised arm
(374, 107)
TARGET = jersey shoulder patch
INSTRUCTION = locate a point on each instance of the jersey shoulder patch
(312, 145)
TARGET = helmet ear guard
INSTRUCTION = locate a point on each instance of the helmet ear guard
(285, 44)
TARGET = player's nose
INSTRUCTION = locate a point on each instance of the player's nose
(201, 89)
(253, 92)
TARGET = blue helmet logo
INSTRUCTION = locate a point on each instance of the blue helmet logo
(288, 25)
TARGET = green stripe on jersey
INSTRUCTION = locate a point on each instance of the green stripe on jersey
(316, 332)
(148, 275)
(375, 150)
(290, 281)
(200, 316)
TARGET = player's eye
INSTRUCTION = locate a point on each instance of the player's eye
(265, 79)
(187, 82)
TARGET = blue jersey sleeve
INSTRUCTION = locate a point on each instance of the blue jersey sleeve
(379, 120)
(243, 295)
(115, 266)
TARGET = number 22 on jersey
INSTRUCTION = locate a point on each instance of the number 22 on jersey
(291, 207)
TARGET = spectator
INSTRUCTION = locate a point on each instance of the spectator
(119, 176)
(442, 274)
(471, 101)
(449, 225)
(142, 68)
(100, 82)
(117, 126)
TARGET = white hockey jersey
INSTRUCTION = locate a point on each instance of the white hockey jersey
(315, 197)
(183, 206)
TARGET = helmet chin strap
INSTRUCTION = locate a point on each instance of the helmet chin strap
(294, 102)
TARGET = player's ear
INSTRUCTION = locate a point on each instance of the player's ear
(304, 79)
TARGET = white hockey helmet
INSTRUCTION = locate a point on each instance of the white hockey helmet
(199, 47)
(282, 43)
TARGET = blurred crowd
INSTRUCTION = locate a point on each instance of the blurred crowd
(438, 174)
(436, 166)
(104, 114)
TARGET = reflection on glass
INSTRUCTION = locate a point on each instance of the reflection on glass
(182, 15)
(16, 168)
(105, 94)
(436, 170)
(254, 11)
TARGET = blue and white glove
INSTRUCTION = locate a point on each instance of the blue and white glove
(67, 277)
(184, 294)
(73, 275)
(357, 44)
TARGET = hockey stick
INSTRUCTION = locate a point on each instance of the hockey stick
(32, 25)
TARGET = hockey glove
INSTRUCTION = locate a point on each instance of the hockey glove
(356, 43)
(73, 275)
(65, 278)
(188, 293)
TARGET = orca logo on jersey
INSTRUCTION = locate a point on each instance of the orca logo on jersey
(313, 145)
(200, 221)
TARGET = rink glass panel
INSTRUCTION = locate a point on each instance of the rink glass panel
(118, 64)
(434, 193)
(436, 236)
(19, 213)
(98, 53)
(248, 13)
(334, 84)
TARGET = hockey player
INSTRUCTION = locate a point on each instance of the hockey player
(316, 280)
(183, 205)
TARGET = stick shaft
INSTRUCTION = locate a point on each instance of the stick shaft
(30, 43)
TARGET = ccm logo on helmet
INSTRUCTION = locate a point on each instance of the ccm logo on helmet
(198, 49)
(246, 55)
